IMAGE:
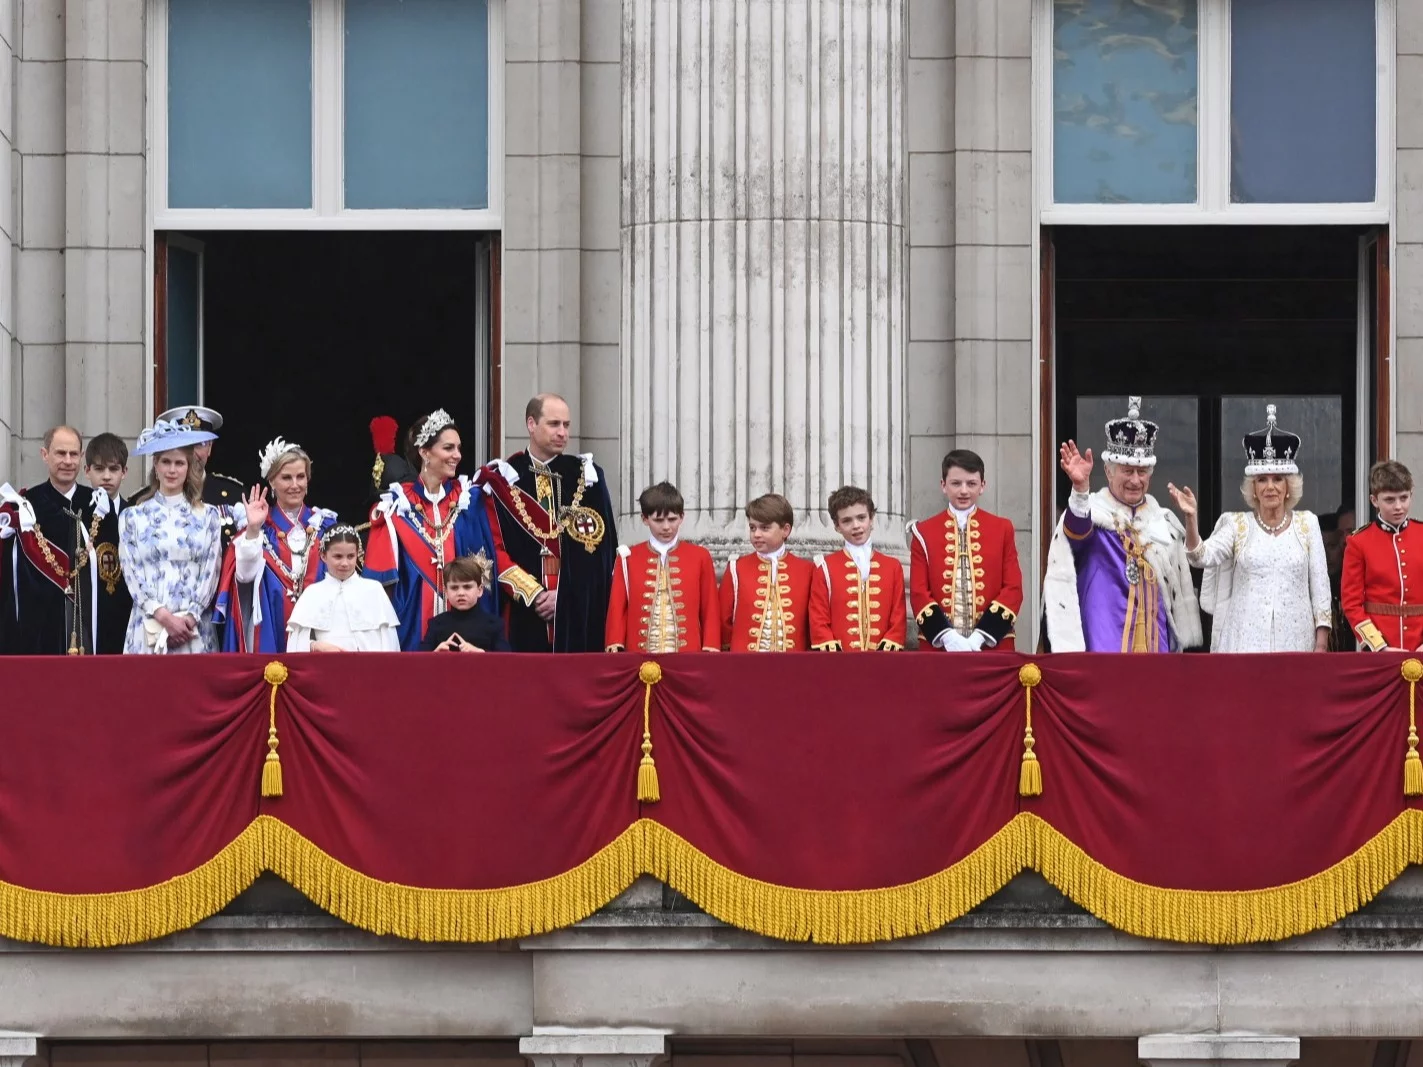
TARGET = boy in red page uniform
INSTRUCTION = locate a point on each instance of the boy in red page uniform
(1380, 598)
(965, 585)
(856, 595)
(765, 595)
(664, 596)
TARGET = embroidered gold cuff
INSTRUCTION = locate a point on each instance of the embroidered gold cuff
(827, 646)
(521, 584)
(1370, 637)
(1002, 609)
(924, 614)
(616, 648)
(890, 646)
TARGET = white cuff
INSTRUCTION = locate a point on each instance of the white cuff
(1080, 504)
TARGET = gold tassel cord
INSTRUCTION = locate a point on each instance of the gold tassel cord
(1412, 766)
(1030, 771)
(648, 790)
(274, 675)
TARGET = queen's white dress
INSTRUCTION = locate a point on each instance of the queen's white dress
(1266, 592)
(171, 555)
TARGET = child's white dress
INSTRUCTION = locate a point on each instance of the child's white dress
(355, 614)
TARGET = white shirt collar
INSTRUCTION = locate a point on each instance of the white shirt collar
(862, 555)
(435, 497)
(175, 501)
(770, 557)
(659, 547)
(962, 517)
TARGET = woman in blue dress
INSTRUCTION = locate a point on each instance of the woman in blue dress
(419, 527)
(170, 548)
(278, 555)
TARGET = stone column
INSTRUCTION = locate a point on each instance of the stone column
(1232, 1049)
(18, 1050)
(763, 259)
(559, 1047)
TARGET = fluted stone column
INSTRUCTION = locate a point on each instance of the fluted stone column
(763, 262)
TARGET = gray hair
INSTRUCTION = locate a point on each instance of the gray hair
(1294, 491)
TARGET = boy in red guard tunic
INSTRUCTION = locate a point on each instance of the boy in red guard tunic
(965, 586)
(664, 595)
(1382, 601)
(765, 595)
(856, 595)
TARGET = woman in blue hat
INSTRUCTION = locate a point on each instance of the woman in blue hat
(170, 548)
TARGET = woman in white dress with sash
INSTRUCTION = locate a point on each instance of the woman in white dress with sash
(1266, 578)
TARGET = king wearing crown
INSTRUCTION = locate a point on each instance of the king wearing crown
(1117, 576)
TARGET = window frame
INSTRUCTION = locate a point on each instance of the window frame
(328, 163)
(1213, 204)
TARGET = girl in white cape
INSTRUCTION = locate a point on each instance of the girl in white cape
(343, 612)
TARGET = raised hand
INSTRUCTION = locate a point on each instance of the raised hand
(1076, 465)
(255, 503)
(1185, 499)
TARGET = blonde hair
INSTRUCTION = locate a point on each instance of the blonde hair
(192, 484)
(291, 455)
(1294, 491)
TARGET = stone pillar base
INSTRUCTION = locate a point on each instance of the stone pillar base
(1232, 1049)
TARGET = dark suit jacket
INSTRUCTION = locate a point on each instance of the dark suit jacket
(476, 626)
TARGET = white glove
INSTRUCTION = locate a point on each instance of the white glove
(976, 640)
(951, 641)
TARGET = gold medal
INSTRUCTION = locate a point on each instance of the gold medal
(584, 525)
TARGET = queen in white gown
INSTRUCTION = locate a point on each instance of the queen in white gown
(1266, 577)
(343, 612)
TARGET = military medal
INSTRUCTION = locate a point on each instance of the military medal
(1133, 572)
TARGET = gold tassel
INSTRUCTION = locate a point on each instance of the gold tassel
(648, 791)
(274, 675)
(1030, 772)
(1412, 766)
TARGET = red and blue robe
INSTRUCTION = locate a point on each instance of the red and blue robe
(266, 605)
(402, 555)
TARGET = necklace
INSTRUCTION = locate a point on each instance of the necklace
(1272, 530)
(558, 523)
(298, 540)
(439, 531)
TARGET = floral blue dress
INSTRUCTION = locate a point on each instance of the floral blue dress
(171, 555)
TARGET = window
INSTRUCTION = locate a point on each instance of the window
(1226, 110)
(326, 113)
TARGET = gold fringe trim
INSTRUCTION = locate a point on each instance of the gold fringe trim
(104, 920)
(857, 916)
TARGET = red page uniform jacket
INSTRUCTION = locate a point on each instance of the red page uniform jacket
(851, 614)
(1381, 592)
(663, 604)
(765, 604)
(964, 579)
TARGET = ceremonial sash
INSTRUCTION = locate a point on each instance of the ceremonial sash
(503, 492)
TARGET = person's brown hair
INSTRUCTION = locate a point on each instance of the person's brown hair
(772, 508)
(106, 448)
(534, 409)
(661, 499)
(1389, 476)
(848, 496)
(412, 450)
(468, 568)
(49, 436)
(192, 484)
(964, 460)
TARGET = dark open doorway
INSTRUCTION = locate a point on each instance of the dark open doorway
(1208, 324)
(311, 335)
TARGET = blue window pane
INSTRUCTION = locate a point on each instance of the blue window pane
(1302, 88)
(1124, 102)
(417, 104)
(183, 341)
(239, 104)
